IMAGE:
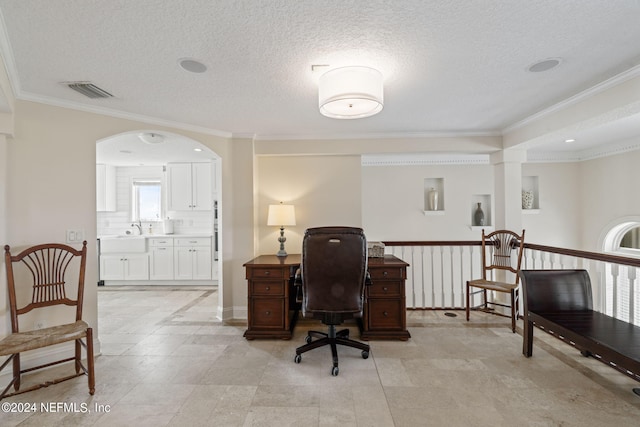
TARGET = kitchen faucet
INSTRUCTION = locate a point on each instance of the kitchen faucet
(139, 225)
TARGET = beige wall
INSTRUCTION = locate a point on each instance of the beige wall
(50, 185)
(559, 219)
(393, 200)
(325, 190)
(609, 192)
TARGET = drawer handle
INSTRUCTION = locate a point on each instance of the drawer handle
(267, 288)
(385, 274)
(266, 273)
(385, 289)
(385, 314)
(268, 313)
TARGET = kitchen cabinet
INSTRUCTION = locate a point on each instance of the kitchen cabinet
(124, 267)
(105, 188)
(190, 186)
(192, 258)
(160, 258)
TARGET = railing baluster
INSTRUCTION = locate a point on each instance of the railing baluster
(610, 286)
(461, 250)
(631, 275)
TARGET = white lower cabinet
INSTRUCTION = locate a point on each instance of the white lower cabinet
(192, 258)
(124, 267)
(161, 258)
(167, 258)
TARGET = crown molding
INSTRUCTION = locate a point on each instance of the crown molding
(585, 94)
(381, 135)
(25, 96)
(583, 155)
(421, 159)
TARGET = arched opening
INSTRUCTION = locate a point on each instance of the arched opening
(163, 189)
(622, 294)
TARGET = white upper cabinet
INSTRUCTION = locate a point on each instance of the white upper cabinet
(105, 188)
(190, 186)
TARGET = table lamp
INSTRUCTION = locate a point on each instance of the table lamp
(281, 215)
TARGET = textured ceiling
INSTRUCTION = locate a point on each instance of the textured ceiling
(449, 66)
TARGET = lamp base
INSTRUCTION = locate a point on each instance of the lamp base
(282, 239)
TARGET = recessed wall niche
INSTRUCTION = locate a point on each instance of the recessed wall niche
(530, 193)
(434, 196)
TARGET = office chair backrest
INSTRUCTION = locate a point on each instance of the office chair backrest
(48, 265)
(333, 269)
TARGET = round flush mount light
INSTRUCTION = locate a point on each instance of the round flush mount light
(192, 65)
(350, 93)
(151, 138)
(544, 65)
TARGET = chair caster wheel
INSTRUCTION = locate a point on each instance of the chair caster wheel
(308, 339)
(297, 359)
(365, 354)
(334, 371)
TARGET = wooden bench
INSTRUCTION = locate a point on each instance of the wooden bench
(560, 303)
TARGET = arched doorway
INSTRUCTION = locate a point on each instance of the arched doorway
(165, 188)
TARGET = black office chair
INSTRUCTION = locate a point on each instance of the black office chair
(333, 273)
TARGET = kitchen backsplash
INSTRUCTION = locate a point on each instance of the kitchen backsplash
(118, 222)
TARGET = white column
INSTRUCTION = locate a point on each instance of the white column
(508, 188)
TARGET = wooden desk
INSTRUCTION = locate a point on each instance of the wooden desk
(270, 298)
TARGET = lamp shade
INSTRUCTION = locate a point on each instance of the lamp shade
(280, 215)
(350, 93)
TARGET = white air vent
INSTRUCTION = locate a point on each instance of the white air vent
(88, 89)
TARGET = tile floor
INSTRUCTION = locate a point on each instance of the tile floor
(167, 362)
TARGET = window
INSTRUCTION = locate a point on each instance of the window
(622, 283)
(631, 239)
(147, 200)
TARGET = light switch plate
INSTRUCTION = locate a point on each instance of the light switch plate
(75, 236)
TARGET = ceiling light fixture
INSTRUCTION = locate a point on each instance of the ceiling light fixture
(151, 138)
(569, 141)
(350, 93)
(197, 149)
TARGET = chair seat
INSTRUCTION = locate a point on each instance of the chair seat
(494, 286)
(23, 341)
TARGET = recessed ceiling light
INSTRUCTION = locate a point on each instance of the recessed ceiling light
(192, 66)
(197, 149)
(544, 65)
(569, 141)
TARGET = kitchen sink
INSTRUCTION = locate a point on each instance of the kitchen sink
(113, 244)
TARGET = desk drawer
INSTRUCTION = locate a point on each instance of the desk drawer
(385, 289)
(268, 313)
(386, 273)
(266, 288)
(385, 314)
(267, 273)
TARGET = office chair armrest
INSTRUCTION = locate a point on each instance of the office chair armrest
(297, 279)
(367, 279)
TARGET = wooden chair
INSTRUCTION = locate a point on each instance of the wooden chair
(48, 264)
(502, 245)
